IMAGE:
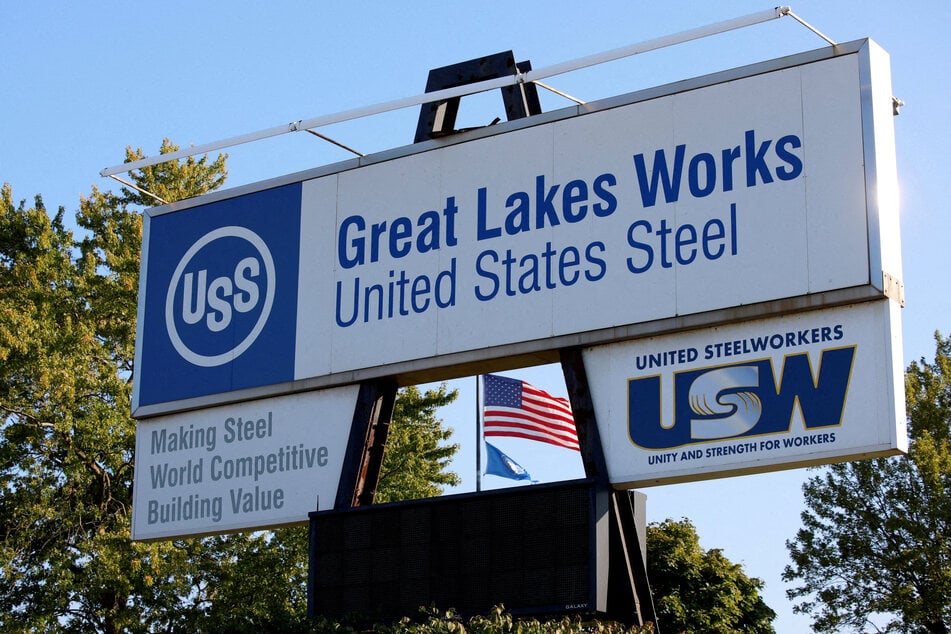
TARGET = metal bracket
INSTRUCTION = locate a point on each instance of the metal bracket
(894, 288)
(438, 118)
(138, 189)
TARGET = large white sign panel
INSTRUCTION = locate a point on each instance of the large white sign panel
(672, 204)
(794, 391)
(249, 465)
(622, 216)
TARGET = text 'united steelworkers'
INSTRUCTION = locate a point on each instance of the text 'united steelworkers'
(651, 244)
(242, 470)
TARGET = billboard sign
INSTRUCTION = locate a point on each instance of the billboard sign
(805, 389)
(593, 224)
(249, 465)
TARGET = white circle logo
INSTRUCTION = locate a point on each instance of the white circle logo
(207, 308)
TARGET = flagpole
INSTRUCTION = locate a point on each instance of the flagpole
(478, 414)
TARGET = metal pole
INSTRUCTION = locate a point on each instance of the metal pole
(810, 27)
(459, 91)
(478, 413)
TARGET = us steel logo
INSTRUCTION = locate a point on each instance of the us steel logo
(220, 296)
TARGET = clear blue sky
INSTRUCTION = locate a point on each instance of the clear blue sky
(81, 81)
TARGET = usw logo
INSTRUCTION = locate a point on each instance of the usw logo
(741, 400)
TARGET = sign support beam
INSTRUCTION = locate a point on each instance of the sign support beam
(372, 415)
(628, 597)
(438, 118)
(582, 406)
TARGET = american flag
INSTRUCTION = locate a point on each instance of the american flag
(516, 408)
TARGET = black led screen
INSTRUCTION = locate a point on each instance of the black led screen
(532, 549)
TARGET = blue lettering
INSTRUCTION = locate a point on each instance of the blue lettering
(544, 208)
(575, 192)
(602, 266)
(709, 175)
(352, 246)
(793, 162)
(401, 229)
(569, 259)
(756, 160)
(600, 189)
(484, 231)
(520, 219)
(683, 245)
(642, 246)
(449, 213)
(713, 231)
(534, 272)
(661, 175)
(428, 238)
(728, 156)
(343, 323)
(400, 296)
(743, 399)
(345, 242)
(664, 176)
(686, 236)
(481, 271)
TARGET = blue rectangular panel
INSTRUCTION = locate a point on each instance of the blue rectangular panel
(221, 297)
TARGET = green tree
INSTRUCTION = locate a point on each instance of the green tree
(67, 309)
(876, 535)
(497, 621)
(417, 457)
(697, 590)
(67, 325)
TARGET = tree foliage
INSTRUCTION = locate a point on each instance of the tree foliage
(697, 590)
(497, 621)
(875, 546)
(67, 327)
(67, 322)
(417, 457)
(67, 311)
